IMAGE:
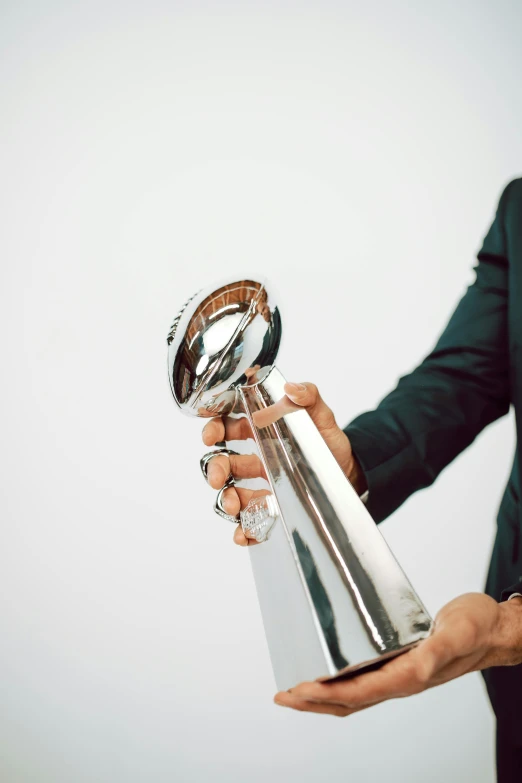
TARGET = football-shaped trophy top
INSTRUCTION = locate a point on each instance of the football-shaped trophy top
(224, 337)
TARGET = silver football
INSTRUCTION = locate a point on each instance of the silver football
(225, 336)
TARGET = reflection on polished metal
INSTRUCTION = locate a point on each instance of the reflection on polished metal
(259, 516)
(333, 598)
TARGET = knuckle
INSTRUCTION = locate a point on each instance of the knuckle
(329, 418)
(325, 418)
(216, 478)
(230, 500)
(243, 431)
(468, 630)
(419, 674)
(222, 460)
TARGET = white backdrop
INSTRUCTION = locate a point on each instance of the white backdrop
(354, 153)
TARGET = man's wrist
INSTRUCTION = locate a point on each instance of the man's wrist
(508, 638)
(357, 478)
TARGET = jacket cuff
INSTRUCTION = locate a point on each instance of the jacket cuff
(390, 478)
(511, 592)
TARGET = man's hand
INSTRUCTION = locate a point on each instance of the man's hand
(219, 468)
(470, 633)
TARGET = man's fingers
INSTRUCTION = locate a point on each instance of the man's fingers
(302, 705)
(457, 633)
(218, 470)
(230, 501)
(236, 498)
(241, 540)
(304, 394)
(307, 396)
(213, 432)
(239, 537)
(244, 496)
(402, 676)
(422, 667)
(247, 466)
(227, 428)
(264, 417)
(242, 466)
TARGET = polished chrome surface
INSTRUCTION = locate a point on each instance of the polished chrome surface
(333, 598)
(222, 339)
(259, 517)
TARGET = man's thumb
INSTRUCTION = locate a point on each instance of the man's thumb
(307, 396)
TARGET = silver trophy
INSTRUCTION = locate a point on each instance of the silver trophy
(333, 598)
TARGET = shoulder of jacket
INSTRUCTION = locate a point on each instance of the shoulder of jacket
(511, 195)
(511, 200)
(514, 187)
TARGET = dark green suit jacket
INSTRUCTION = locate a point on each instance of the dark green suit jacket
(470, 379)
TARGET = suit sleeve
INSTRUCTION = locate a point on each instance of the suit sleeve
(437, 410)
(511, 592)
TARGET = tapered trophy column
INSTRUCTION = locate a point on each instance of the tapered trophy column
(333, 598)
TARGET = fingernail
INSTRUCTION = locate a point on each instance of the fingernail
(297, 387)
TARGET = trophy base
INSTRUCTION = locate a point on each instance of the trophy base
(362, 668)
(296, 644)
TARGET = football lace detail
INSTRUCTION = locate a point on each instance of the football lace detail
(172, 333)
